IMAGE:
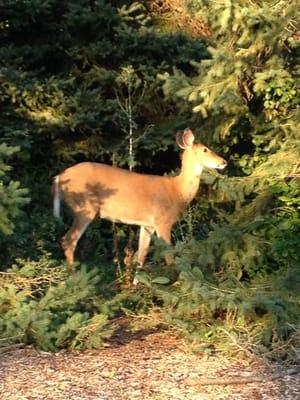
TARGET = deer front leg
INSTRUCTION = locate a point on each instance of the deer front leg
(163, 231)
(144, 243)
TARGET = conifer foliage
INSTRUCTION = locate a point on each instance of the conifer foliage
(235, 281)
(246, 96)
(12, 196)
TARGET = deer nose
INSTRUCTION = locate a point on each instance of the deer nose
(223, 164)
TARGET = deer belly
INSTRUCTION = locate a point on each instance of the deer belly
(127, 213)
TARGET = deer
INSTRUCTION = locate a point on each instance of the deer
(152, 202)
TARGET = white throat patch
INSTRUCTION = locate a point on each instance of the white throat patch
(198, 169)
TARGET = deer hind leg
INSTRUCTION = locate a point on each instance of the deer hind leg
(164, 232)
(70, 240)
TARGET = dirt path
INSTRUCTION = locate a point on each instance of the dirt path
(149, 366)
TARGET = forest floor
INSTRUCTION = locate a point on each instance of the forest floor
(148, 365)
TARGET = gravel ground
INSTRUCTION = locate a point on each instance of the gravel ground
(153, 365)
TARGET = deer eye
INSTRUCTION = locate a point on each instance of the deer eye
(205, 150)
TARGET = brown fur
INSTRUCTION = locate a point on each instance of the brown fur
(153, 202)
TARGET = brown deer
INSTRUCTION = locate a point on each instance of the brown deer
(153, 202)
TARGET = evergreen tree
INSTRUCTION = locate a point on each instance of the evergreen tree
(245, 97)
(12, 196)
(64, 99)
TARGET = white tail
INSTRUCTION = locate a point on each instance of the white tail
(153, 202)
(56, 197)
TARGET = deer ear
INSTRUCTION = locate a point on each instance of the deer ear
(179, 140)
(185, 139)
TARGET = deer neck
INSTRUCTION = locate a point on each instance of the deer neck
(188, 181)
